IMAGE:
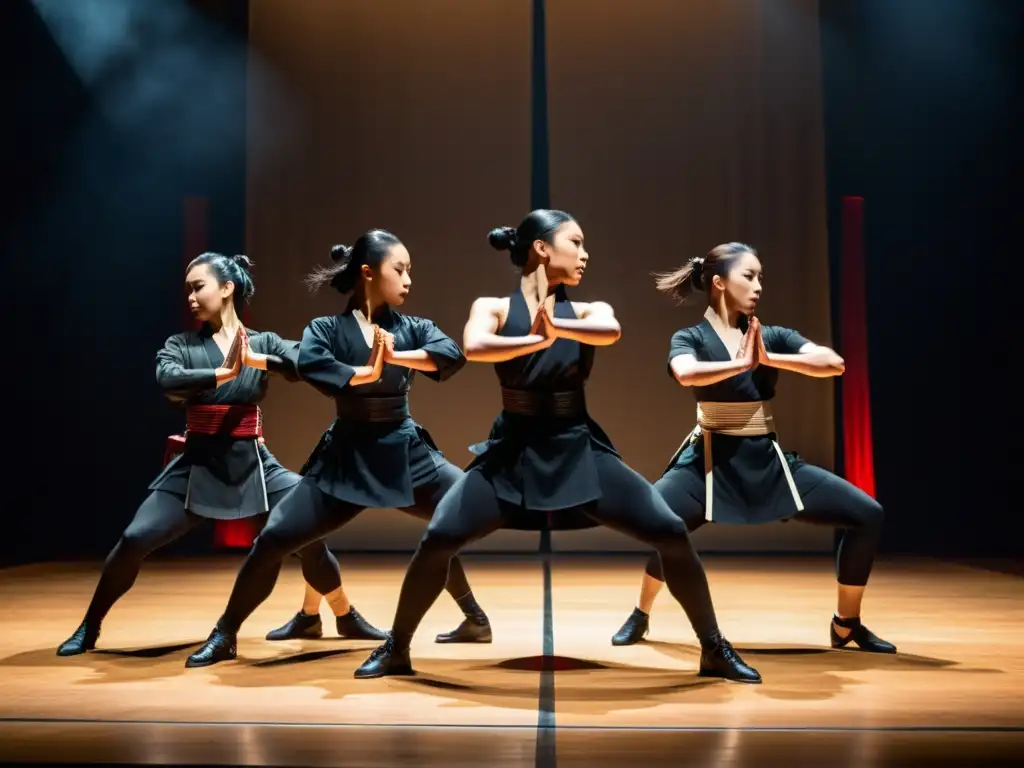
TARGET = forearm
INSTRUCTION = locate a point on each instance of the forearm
(597, 332)
(818, 364)
(492, 348)
(416, 359)
(363, 374)
(705, 374)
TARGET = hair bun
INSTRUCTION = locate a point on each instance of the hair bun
(341, 253)
(697, 272)
(502, 238)
(243, 261)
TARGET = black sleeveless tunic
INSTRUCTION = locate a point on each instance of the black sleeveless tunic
(544, 466)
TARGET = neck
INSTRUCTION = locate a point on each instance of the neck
(367, 304)
(535, 283)
(226, 323)
(719, 313)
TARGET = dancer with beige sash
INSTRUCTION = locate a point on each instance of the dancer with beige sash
(731, 469)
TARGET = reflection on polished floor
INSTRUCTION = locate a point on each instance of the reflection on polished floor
(549, 691)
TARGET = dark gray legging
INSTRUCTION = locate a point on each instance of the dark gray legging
(628, 504)
(828, 500)
(161, 519)
(306, 515)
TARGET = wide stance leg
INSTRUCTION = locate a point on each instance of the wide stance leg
(322, 574)
(690, 510)
(303, 517)
(469, 511)
(831, 500)
(630, 505)
(475, 628)
(160, 519)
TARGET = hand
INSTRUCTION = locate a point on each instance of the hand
(232, 360)
(389, 344)
(760, 352)
(750, 346)
(543, 327)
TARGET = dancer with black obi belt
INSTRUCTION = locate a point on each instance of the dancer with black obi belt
(730, 469)
(219, 373)
(374, 454)
(546, 458)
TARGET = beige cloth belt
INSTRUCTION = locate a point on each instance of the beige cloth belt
(743, 420)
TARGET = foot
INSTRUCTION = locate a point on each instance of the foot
(473, 629)
(219, 647)
(300, 626)
(857, 633)
(84, 639)
(385, 661)
(719, 659)
(352, 626)
(634, 630)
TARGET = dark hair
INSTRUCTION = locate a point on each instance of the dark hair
(371, 248)
(236, 269)
(538, 225)
(696, 274)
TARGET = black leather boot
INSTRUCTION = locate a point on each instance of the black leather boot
(83, 639)
(634, 630)
(300, 626)
(389, 659)
(719, 659)
(353, 626)
(865, 639)
(220, 646)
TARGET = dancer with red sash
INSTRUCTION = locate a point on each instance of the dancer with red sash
(219, 373)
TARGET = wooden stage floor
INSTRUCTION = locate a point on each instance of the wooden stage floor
(550, 691)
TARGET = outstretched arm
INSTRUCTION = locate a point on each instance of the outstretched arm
(596, 325)
(482, 343)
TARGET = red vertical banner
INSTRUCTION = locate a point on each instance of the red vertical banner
(227, 534)
(858, 451)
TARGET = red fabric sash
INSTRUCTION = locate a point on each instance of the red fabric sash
(241, 421)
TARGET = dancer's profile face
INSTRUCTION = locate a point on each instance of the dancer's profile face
(565, 256)
(392, 278)
(742, 284)
(206, 297)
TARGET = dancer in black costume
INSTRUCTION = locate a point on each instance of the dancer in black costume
(546, 458)
(219, 374)
(731, 469)
(374, 455)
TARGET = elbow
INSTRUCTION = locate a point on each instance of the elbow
(472, 350)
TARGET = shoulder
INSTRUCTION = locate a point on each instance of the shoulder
(584, 308)
(179, 340)
(782, 337)
(327, 321)
(690, 337)
(489, 307)
(490, 304)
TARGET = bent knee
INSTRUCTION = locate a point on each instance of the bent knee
(873, 514)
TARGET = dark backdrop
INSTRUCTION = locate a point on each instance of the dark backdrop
(920, 104)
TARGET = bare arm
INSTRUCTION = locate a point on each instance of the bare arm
(417, 359)
(596, 325)
(812, 360)
(690, 372)
(482, 343)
